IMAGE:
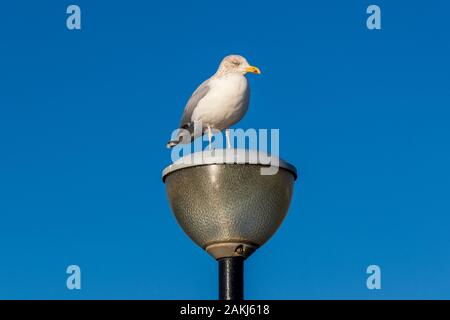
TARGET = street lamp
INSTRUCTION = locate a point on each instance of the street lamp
(228, 207)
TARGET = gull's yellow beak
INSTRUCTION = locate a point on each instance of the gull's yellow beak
(253, 69)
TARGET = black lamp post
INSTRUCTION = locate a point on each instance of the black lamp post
(231, 278)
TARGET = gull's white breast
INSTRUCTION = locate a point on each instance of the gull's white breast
(225, 103)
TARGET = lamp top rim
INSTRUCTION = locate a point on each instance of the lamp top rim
(228, 156)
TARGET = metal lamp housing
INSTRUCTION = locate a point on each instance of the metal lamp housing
(228, 207)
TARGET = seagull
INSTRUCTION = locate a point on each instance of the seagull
(219, 102)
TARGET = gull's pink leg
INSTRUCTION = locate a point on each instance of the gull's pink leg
(227, 135)
(210, 137)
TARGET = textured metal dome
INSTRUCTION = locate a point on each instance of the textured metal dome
(228, 207)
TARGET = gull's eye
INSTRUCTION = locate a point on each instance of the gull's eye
(236, 63)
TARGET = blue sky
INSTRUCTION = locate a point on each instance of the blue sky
(85, 115)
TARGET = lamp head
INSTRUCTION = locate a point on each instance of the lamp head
(226, 206)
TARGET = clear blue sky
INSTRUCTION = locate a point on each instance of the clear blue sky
(85, 115)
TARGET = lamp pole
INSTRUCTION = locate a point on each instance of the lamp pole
(231, 278)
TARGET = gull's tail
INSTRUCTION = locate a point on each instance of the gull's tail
(178, 139)
(172, 143)
(185, 135)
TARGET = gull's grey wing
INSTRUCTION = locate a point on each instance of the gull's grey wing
(192, 103)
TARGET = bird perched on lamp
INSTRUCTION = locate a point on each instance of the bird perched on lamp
(218, 102)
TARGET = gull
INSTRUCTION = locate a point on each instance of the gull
(218, 103)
